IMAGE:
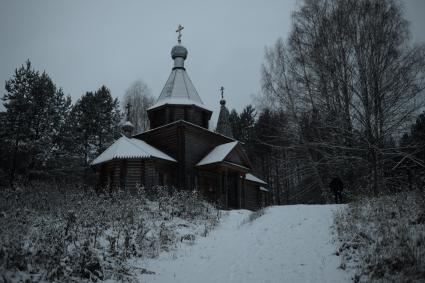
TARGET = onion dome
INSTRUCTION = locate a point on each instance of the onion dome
(179, 51)
(127, 128)
(179, 54)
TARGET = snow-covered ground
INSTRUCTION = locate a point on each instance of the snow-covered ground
(286, 244)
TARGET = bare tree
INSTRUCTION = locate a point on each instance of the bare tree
(139, 96)
(280, 86)
(350, 81)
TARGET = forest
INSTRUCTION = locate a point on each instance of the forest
(341, 97)
(344, 94)
(45, 137)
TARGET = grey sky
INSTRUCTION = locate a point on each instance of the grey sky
(84, 44)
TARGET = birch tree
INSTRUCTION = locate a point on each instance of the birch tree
(139, 96)
(349, 74)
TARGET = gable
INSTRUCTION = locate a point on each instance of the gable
(228, 153)
(190, 143)
(238, 156)
(218, 153)
(197, 141)
(234, 157)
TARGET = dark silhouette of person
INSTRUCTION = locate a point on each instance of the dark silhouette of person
(336, 186)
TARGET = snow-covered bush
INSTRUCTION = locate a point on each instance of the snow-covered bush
(67, 234)
(383, 238)
(253, 216)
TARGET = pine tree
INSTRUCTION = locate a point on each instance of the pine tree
(94, 123)
(247, 123)
(35, 114)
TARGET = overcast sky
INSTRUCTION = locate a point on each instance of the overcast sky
(84, 44)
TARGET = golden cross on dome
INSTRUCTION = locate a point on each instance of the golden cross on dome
(222, 91)
(179, 30)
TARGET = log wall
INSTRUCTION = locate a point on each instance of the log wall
(252, 196)
(172, 113)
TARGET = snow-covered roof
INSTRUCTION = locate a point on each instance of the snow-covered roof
(218, 154)
(127, 123)
(252, 178)
(263, 189)
(179, 90)
(130, 148)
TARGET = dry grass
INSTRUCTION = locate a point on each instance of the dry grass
(383, 238)
(66, 234)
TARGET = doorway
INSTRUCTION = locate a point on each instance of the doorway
(232, 191)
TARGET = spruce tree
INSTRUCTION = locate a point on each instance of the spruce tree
(94, 123)
(247, 122)
(35, 114)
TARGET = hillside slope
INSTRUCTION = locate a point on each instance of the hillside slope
(286, 244)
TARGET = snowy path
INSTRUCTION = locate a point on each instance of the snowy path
(287, 244)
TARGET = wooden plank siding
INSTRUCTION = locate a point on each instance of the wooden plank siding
(158, 118)
(134, 173)
(256, 198)
(151, 174)
(170, 113)
(130, 172)
(208, 184)
(252, 196)
(115, 180)
(165, 140)
(188, 143)
(217, 184)
(234, 158)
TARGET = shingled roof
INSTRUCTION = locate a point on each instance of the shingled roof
(179, 89)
